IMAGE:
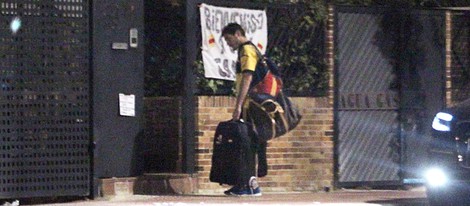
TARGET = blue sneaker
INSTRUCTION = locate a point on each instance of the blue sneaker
(253, 189)
(246, 192)
(229, 191)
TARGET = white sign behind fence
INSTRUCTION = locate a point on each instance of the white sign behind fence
(219, 60)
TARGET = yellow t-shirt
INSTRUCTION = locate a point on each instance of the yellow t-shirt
(248, 58)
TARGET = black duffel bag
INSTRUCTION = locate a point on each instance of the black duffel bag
(272, 116)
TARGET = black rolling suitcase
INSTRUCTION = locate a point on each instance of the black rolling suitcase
(233, 157)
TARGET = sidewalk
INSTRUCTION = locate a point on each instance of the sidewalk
(411, 197)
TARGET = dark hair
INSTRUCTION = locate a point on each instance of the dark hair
(232, 28)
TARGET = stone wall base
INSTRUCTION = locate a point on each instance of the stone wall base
(149, 184)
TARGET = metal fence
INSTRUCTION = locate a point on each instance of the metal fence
(44, 99)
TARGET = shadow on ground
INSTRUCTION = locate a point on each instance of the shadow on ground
(402, 202)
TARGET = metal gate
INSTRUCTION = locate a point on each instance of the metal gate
(390, 81)
(367, 104)
(44, 99)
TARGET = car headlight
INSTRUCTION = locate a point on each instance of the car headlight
(436, 177)
(442, 121)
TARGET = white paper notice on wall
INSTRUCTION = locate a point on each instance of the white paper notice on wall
(127, 105)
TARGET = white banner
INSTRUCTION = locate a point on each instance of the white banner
(219, 59)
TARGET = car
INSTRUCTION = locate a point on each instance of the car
(448, 170)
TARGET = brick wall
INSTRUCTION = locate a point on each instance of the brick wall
(301, 160)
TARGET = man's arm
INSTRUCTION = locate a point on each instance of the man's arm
(244, 87)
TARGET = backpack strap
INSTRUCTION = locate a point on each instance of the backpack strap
(261, 69)
(266, 62)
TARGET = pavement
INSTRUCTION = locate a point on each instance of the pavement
(346, 197)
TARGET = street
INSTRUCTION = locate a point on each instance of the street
(349, 197)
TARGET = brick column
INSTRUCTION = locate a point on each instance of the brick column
(448, 46)
(330, 60)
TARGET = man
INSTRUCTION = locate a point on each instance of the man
(235, 37)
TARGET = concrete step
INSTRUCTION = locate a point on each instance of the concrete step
(149, 184)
